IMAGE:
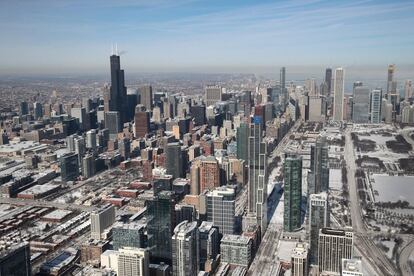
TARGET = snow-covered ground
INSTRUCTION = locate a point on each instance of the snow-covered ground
(335, 179)
(393, 188)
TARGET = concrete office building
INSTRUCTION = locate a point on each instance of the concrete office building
(299, 260)
(101, 220)
(334, 245)
(213, 94)
(361, 103)
(221, 209)
(236, 250)
(133, 262)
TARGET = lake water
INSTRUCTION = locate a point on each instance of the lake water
(394, 188)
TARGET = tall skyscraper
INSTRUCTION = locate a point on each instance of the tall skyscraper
(128, 235)
(24, 108)
(185, 249)
(117, 100)
(334, 245)
(69, 166)
(257, 187)
(100, 220)
(142, 121)
(209, 244)
(408, 90)
(15, 260)
(328, 81)
(392, 94)
(318, 219)
(145, 93)
(161, 221)
(283, 77)
(173, 159)
(37, 110)
(361, 102)
(318, 177)
(242, 138)
(338, 95)
(376, 106)
(113, 123)
(293, 193)
(300, 260)
(212, 94)
(133, 262)
(91, 139)
(221, 209)
(390, 78)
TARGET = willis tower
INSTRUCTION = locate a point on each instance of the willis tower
(116, 99)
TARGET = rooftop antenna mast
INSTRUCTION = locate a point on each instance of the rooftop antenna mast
(116, 49)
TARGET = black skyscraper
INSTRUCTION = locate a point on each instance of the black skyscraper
(117, 100)
(328, 80)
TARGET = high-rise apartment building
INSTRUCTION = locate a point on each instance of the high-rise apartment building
(100, 220)
(213, 94)
(299, 261)
(133, 262)
(161, 221)
(334, 245)
(209, 173)
(338, 95)
(37, 110)
(318, 219)
(292, 170)
(257, 187)
(91, 139)
(185, 249)
(209, 244)
(376, 106)
(221, 209)
(141, 121)
(318, 177)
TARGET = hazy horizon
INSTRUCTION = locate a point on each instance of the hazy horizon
(73, 36)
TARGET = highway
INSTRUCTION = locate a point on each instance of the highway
(362, 240)
(404, 258)
(41, 203)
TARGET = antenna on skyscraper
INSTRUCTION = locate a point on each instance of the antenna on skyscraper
(116, 48)
(112, 49)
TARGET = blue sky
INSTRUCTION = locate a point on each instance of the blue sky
(169, 35)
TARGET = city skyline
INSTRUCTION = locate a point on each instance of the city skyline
(190, 35)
